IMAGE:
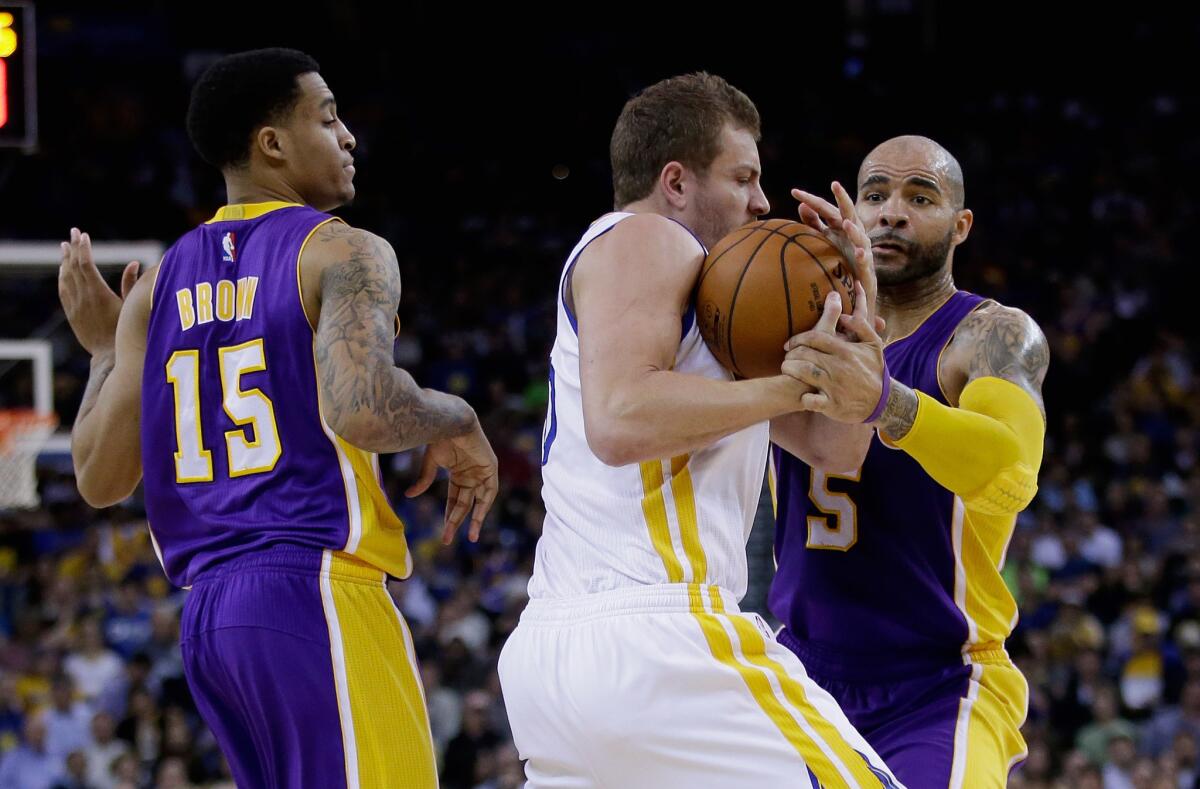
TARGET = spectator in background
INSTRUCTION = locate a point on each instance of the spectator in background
(1169, 723)
(1118, 767)
(68, 721)
(1106, 726)
(76, 773)
(464, 751)
(30, 765)
(93, 667)
(104, 751)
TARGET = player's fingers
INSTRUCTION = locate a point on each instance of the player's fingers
(483, 503)
(828, 211)
(425, 478)
(812, 344)
(861, 308)
(830, 313)
(856, 232)
(880, 325)
(73, 248)
(860, 327)
(87, 266)
(844, 203)
(463, 496)
(806, 372)
(814, 401)
(812, 218)
(129, 278)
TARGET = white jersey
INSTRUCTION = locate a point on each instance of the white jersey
(684, 519)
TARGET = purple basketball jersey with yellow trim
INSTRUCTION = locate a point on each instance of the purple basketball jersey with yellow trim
(883, 567)
(235, 453)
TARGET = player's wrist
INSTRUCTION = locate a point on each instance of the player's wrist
(103, 354)
(884, 395)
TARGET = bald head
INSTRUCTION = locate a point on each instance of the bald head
(920, 157)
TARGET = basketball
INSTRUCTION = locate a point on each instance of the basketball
(760, 285)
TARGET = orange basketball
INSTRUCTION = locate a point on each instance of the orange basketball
(760, 285)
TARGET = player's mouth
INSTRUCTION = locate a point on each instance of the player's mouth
(889, 246)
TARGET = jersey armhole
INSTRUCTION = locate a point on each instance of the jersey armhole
(566, 280)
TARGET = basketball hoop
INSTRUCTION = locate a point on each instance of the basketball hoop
(23, 432)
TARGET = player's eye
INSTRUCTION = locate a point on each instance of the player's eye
(874, 197)
(331, 121)
(922, 200)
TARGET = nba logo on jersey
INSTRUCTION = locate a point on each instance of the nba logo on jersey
(227, 243)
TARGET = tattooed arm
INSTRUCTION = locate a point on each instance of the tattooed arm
(369, 401)
(986, 446)
(365, 398)
(997, 341)
(993, 341)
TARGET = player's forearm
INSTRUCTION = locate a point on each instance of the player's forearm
(664, 414)
(987, 451)
(821, 442)
(392, 413)
(103, 443)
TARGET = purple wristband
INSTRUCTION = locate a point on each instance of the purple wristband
(883, 396)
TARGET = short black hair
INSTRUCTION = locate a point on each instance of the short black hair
(238, 94)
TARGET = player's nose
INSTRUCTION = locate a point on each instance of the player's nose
(759, 205)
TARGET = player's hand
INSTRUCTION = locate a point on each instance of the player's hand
(846, 369)
(474, 480)
(91, 307)
(841, 226)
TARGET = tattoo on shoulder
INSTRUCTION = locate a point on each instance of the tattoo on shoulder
(1005, 343)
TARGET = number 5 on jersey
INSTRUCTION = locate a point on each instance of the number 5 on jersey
(837, 528)
(253, 409)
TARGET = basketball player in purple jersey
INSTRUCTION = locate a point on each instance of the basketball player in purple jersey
(250, 379)
(889, 582)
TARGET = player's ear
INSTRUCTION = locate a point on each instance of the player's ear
(270, 142)
(963, 221)
(671, 182)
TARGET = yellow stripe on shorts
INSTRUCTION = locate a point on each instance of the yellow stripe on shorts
(987, 740)
(817, 742)
(387, 705)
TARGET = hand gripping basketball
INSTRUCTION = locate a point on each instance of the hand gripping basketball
(848, 375)
(841, 226)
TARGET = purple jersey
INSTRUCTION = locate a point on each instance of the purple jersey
(883, 567)
(235, 452)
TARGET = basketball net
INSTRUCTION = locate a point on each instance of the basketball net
(22, 434)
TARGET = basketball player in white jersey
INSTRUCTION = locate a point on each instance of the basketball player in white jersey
(632, 666)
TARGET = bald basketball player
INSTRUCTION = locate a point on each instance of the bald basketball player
(889, 582)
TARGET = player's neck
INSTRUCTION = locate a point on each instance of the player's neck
(907, 305)
(241, 189)
(651, 205)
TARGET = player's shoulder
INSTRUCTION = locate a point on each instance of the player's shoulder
(643, 228)
(1001, 341)
(646, 245)
(335, 242)
(992, 318)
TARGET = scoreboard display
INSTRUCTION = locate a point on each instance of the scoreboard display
(18, 76)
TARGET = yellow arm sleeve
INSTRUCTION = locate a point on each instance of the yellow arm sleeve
(987, 451)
